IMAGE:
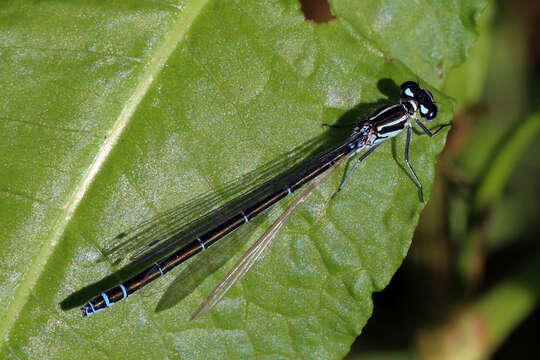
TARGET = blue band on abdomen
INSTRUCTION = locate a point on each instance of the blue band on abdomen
(106, 298)
(202, 244)
(123, 291)
(159, 268)
(94, 310)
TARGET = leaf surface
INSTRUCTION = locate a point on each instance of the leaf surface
(115, 111)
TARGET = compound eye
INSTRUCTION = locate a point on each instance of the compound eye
(430, 94)
(428, 111)
(409, 89)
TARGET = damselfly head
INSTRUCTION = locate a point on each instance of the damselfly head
(409, 90)
(420, 98)
(428, 111)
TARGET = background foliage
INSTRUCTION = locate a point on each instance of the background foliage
(469, 287)
(115, 111)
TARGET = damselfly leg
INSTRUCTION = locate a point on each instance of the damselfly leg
(349, 173)
(407, 147)
(426, 130)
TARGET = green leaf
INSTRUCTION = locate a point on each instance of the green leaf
(114, 111)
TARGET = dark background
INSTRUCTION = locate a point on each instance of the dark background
(469, 286)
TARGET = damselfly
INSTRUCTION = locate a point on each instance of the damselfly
(368, 135)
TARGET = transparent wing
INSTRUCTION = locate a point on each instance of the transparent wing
(257, 251)
(156, 237)
(177, 287)
(193, 273)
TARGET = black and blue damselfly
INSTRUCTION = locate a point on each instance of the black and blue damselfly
(366, 136)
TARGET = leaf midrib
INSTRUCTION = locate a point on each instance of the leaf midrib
(145, 80)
